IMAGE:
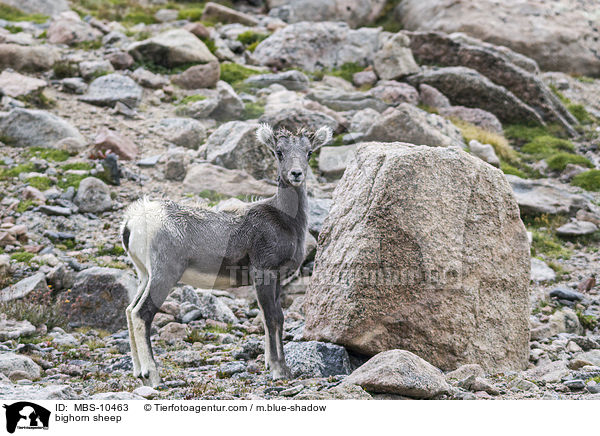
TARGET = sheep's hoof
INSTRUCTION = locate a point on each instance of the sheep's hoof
(281, 373)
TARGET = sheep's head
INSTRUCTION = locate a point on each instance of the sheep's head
(293, 150)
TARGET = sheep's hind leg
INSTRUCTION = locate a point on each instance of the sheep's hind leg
(134, 352)
(143, 313)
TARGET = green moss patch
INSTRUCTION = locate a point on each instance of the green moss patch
(191, 99)
(9, 13)
(253, 110)
(22, 256)
(520, 134)
(234, 73)
(79, 166)
(39, 182)
(590, 180)
(49, 154)
(559, 161)
(251, 39)
(542, 147)
(8, 173)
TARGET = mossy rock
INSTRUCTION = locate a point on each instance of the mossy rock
(589, 180)
(559, 161)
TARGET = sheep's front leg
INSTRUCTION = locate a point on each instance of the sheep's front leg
(267, 288)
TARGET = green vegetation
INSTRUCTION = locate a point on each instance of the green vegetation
(111, 250)
(64, 69)
(13, 29)
(22, 256)
(590, 180)
(251, 39)
(234, 73)
(210, 45)
(545, 241)
(559, 161)
(387, 18)
(542, 147)
(39, 182)
(579, 112)
(79, 166)
(191, 99)
(49, 154)
(191, 13)
(9, 13)
(346, 71)
(38, 308)
(24, 205)
(8, 173)
(253, 110)
(587, 321)
(509, 169)
(521, 134)
(161, 69)
(71, 180)
(38, 99)
(89, 45)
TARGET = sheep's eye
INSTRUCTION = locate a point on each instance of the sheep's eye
(309, 154)
(279, 154)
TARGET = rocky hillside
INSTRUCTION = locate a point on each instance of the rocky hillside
(467, 163)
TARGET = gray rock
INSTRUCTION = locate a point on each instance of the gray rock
(198, 109)
(545, 196)
(36, 282)
(175, 168)
(27, 58)
(230, 105)
(484, 152)
(99, 297)
(356, 13)
(318, 208)
(466, 371)
(61, 338)
(562, 46)
(393, 93)
(592, 357)
(120, 396)
(316, 359)
(172, 48)
(146, 391)
(16, 85)
(220, 13)
(394, 59)
(333, 160)
(93, 196)
(37, 392)
(234, 145)
(69, 28)
(344, 101)
(30, 128)
(148, 79)
(363, 119)
(205, 176)
(432, 97)
(55, 210)
(577, 228)
(410, 124)
(198, 76)
(112, 88)
(92, 69)
(467, 87)
(42, 7)
(382, 239)
(293, 80)
(75, 85)
(214, 308)
(540, 272)
(565, 320)
(564, 293)
(184, 132)
(478, 117)
(11, 329)
(399, 372)
(317, 46)
(11, 362)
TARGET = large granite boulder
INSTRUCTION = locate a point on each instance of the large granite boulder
(423, 250)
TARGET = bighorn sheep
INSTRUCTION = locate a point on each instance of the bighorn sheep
(170, 243)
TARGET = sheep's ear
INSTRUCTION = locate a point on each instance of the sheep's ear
(265, 136)
(321, 137)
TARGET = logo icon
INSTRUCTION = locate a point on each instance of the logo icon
(26, 415)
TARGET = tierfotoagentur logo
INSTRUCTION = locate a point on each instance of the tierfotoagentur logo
(26, 415)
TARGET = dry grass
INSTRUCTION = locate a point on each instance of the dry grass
(501, 145)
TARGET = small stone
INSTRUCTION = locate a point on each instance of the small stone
(541, 272)
(148, 79)
(290, 392)
(485, 152)
(564, 293)
(116, 143)
(575, 385)
(198, 76)
(577, 228)
(24, 287)
(146, 392)
(93, 196)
